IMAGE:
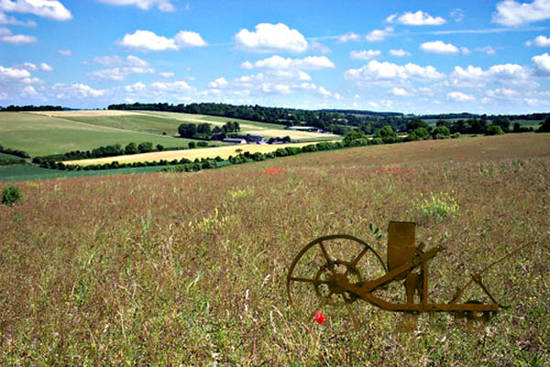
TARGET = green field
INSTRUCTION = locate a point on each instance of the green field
(59, 132)
(27, 172)
(170, 269)
(42, 135)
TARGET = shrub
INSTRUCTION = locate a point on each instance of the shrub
(494, 130)
(437, 206)
(11, 194)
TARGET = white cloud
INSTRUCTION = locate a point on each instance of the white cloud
(176, 86)
(189, 39)
(318, 46)
(375, 70)
(278, 62)
(4, 19)
(149, 41)
(137, 87)
(457, 14)
(542, 63)
(350, 36)
(77, 90)
(512, 13)
(162, 5)
(269, 37)
(43, 8)
(29, 91)
(399, 53)
(17, 39)
(416, 19)
(541, 41)
(166, 74)
(489, 50)
(13, 73)
(400, 92)
(495, 72)
(65, 52)
(119, 68)
(460, 97)
(30, 66)
(439, 47)
(364, 54)
(218, 83)
(378, 35)
(45, 67)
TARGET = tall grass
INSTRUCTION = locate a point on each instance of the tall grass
(190, 269)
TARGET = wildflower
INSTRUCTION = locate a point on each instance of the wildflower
(459, 156)
(274, 170)
(320, 318)
(110, 200)
(132, 199)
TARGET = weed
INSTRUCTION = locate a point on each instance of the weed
(438, 206)
(11, 194)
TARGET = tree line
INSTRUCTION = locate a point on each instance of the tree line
(12, 108)
(205, 131)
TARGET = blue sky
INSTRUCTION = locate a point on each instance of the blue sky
(407, 56)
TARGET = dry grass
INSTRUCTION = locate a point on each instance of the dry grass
(191, 154)
(189, 269)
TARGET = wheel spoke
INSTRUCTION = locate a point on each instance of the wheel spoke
(325, 254)
(358, 257)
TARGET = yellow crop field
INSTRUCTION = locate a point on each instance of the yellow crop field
(191, 154)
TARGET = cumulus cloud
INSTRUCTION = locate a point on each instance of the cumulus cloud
(542, 63)
(489, 50)
(376, 70)
(13, 73)
(77, 90)
(166, 74)
(16, 39)
(50, 9)
(278, 62)
(350, 36)
(541, 41)
(176, 86)
(505, 74)
(149, 41)
(162, 5)
(460, 97)
(45, 67)
(218, 83)
(439, 47)
(65, 52)
(514, 14)
(4, 19)
(137, 87)
(269, 37)
(118, 68)
(416, 19)
(400, 92)
(364, 54)
(399, 53)
(378, 35)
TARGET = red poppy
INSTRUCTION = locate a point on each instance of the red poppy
(459, 156)
(320, 318)
(132, 199)
(110, 200)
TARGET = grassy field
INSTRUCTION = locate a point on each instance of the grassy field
(27, 172)
(191, 154)
(43, 133)
(190, 269)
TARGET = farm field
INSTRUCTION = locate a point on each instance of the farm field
(190, 268)
(191, 154)
(39, 135)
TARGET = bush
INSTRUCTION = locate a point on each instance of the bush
(438, 206)
(494, 130)
(11, 194)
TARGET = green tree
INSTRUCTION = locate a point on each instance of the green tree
(131, 149)
(187, 130)
(544, 126)
(387, 134)
(494, 130)
(416, 123)
(441, 132)
(145, 147)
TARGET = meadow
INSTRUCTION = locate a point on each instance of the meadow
(190, 268)
(54, 132)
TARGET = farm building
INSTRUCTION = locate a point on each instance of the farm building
(235, 140)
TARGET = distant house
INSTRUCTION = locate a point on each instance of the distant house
(234, 140)
(305, 128)
(254, 139)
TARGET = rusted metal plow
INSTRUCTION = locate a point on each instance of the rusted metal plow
(344, 269)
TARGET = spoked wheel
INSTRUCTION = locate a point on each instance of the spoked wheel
(313, 277)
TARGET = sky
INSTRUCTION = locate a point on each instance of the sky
(406, 56)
